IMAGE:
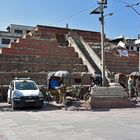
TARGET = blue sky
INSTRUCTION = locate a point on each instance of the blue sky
(74, 12)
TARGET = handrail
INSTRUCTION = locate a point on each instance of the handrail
(81, 55)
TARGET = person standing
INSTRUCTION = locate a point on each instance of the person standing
(138, 87)
(131, 87)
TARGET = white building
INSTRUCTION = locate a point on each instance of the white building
(13, 32)
(137, 41)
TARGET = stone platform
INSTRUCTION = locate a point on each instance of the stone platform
(109, 97)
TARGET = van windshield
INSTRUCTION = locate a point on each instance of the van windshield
(25, 85)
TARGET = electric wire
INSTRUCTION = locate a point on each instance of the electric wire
(130, 5)
(86, 9)
(74, 14)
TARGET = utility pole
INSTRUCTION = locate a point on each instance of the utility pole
(138, 42)
(102, 46)
(100, 10)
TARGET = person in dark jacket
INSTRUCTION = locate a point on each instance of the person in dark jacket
(96, 79)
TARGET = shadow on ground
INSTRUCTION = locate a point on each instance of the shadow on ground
(50, 106)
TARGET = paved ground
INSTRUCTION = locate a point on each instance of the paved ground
(51, 123)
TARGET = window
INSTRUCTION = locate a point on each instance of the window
(24, 85)
(137, 49)
(15, 40)
(77, 80)
(127, 47)
(27, 31)
(18, 31)
(132, 48)
(5, 41)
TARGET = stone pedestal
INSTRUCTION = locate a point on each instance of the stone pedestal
(109, 97)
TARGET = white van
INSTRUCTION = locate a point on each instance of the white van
(24, 92)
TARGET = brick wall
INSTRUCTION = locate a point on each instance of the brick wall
(39, 52)
(40, 59)
(64, 52)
